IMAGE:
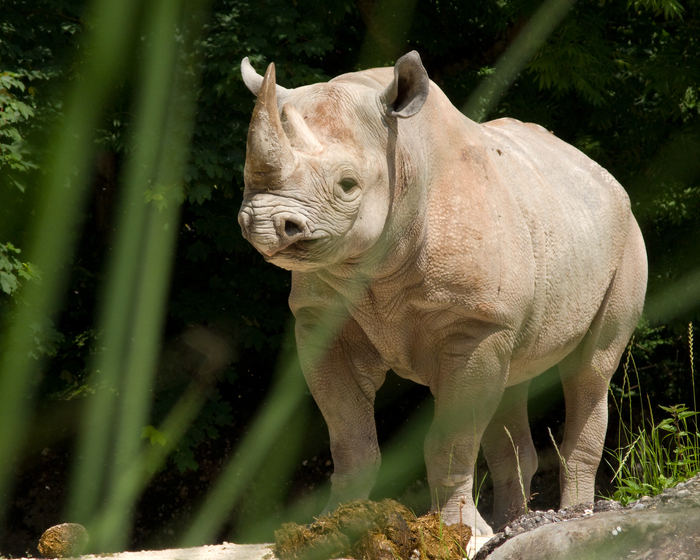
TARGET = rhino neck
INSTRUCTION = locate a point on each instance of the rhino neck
(378, 281)
(389, 258)
(405, 229)
(409, 177)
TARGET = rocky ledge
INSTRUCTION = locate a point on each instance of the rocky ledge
(663, 527)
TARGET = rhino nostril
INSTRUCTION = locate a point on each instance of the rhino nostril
(291, 228)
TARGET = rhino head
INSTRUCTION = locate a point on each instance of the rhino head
(319, 184)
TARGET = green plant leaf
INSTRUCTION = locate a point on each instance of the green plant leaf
(155, 437)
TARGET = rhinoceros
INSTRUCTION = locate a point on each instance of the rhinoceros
(466, 257)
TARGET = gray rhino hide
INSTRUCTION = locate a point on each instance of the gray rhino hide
(469, 258)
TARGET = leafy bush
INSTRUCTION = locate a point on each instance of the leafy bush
(13, 273)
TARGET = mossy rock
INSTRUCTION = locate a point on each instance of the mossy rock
(63, 541)
(367, 530)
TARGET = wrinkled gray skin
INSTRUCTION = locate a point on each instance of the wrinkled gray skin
(469, 258)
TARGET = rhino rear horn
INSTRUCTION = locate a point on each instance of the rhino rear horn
(298, 131)
(407, 92)
(269, 154)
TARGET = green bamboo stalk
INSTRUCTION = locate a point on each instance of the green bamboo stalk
(53, 232)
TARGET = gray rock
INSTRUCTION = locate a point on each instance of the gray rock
(606, 505)
(632, 535)
(663, 527)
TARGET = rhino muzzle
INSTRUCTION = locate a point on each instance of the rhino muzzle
(271, 233)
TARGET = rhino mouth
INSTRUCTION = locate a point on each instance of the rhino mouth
(309, 245)
(306, 252)
(304, 246)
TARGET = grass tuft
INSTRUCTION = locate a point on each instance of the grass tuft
(520, 474)
(658, 455)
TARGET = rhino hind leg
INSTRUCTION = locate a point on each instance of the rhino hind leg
(500, 453)
(587, 371)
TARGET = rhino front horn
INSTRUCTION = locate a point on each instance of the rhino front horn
(269, 155)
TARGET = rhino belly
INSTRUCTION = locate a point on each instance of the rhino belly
(573, 290)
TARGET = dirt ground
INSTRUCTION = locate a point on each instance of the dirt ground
(225, 551)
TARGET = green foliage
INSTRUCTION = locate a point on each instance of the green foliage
(659, 456)
(13, 151)
(627, 96)
(13, 273)
(651, 456)
(621, 78)
(35, 36)
(660, 360)
(12, 269)
(628, 88)
(154, 436)
(669, 8)
(215, 414)
(563, 67)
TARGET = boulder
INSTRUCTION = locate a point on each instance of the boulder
(664, 527)
(646, 534)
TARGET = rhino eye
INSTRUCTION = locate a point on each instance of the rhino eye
(348, 184)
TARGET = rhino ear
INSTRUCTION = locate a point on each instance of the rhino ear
(253, 80)
(407, 92)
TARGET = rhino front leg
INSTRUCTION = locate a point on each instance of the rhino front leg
(343, 380)
(468, 388)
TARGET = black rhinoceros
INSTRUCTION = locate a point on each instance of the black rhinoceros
(467, 257)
